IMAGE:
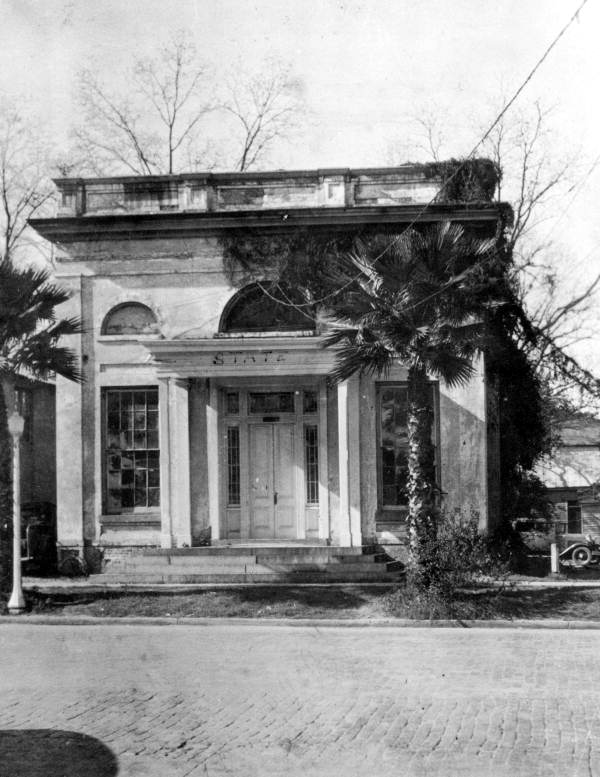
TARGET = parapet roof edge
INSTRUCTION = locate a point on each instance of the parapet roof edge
(250, 175)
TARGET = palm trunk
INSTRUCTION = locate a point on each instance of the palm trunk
(421, 485)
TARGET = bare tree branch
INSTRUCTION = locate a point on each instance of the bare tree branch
(140, 130)
(25, 189)
(265, 107)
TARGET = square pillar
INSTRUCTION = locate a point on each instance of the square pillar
(349, 527)
(176, 528)
(213, 453)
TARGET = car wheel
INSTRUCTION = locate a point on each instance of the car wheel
(581, 556)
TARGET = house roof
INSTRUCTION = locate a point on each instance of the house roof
(580, 431)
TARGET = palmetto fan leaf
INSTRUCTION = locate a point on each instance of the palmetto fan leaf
(422, 300)
(30, 331)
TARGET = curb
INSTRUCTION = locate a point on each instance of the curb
(402, 623)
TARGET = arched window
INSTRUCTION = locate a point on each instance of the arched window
(130, 318)
(267, 307)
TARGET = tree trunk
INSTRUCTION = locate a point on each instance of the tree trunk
(421, 485)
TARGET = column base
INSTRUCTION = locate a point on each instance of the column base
(16, 604)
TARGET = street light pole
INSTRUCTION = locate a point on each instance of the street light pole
(16, 424)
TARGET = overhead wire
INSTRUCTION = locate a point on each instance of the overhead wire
(464, 162)
(450, 178)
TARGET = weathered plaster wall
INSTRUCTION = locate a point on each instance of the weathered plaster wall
(183, 282)
(463, 447)
(38, 449)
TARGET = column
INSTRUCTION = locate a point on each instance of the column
(349, 463)
(176, 529)
(354, 454)
(213, 455)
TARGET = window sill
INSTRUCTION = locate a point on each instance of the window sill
(265, 333)
(129, 519)
(129, 338)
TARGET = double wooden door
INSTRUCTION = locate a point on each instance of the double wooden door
(272, 484)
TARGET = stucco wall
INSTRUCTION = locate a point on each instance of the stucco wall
(183, 282)
(38, 454)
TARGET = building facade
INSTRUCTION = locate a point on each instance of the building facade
(206, 414)
(572, 476)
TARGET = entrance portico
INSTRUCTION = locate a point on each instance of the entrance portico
(273, 445)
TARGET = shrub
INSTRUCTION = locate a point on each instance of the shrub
(456, 558)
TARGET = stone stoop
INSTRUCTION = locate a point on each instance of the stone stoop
(247, 564)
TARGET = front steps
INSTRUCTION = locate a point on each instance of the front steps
(260, 564)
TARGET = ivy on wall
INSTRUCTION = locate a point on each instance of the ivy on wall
(465, 180)
(300, 257)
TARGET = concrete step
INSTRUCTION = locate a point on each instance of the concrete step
(179, 562)
(294, 558)
(321, 551)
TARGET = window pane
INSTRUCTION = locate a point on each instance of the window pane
(127, 476)
(268, 307)
(132, 318)
(128, 463)
(309, 402)
(574, 518)
(311, 464)
(232, 403)
(271, 402)
(233, 466)
(393, 444)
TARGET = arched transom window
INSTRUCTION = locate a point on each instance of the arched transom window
(267, 307)
(130, 318)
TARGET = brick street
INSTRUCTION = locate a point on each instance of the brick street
(257, 699)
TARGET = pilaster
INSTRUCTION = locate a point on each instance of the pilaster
(176, 529)
(349, 463)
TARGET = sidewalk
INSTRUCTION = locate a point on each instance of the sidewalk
(82, 585)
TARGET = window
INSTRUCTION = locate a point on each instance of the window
(267, 307)
(232, 403)
(131, 318)
(261, 402)
(393, 445)
(311, 464)
(574, 518)
(309, 402)
(131, 449)
(233, 466)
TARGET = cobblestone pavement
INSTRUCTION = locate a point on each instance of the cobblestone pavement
(105, 700)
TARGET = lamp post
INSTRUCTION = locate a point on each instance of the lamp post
(16, 424)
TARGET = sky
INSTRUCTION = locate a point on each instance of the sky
(367, 68)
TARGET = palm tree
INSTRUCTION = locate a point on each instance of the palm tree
(30, 333)
(420, 299)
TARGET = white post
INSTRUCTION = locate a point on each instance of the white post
(344, 525)
(16, 603)
(554, 558)
(212, 449)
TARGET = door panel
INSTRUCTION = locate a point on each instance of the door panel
(285, 481)
(272, 481)
(262, 508)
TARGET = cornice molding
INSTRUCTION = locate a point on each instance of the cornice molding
(187, 225)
